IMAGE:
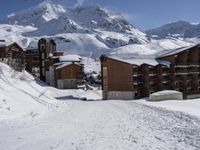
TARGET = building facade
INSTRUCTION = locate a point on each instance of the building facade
(46, 47)
(12, 54)
(36, 56)
(64, 72)
(69, 76)
(32, 60)
(133, 79)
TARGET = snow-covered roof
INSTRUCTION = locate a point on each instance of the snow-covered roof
(139, 61)
(32, 45)
(4, 43)
(70, 58)
(48, 39)
(62, 65)
(173, 51)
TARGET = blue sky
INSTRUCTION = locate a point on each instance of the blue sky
(144, 14)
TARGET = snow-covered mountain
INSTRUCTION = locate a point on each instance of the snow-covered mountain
(35, 16)
(176, 29)
(86, 30)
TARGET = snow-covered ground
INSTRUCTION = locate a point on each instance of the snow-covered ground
(35, 116)
(190, 106)
(108, 125)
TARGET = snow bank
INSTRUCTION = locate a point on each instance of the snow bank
(166, 95)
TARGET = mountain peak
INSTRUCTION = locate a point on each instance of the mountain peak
(37, 15)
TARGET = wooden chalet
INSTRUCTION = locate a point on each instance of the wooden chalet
(69, 75)
(12, 54)
(64, 72)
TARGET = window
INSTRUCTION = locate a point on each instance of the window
(135, 69)
(42, 47)
(42, 55)
(189, 89)
(42, 63)
(43, 71)
(35, 58)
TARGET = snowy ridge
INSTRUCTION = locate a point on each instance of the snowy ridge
(176, 29)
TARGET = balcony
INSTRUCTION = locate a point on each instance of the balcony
(152, 83)
(137, 83)
(137, 74)
(166, 78)
(181, 65)
(193, 68)
(194, 64)
(152, 73)
(165, 73)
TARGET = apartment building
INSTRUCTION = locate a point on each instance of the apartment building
(132, 78)
(46, 48)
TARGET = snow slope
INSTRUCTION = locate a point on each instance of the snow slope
(21, 95)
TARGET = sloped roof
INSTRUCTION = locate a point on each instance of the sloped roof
(62, 65)
(135, 61)
(170, 52)
(4, 43)
(32, 45)
(48, 40)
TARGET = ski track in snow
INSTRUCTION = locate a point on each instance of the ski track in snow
(112, 125)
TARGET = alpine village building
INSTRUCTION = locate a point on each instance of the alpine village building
(12, 54)
(44, 62)
(178, 69)
(64, 72)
